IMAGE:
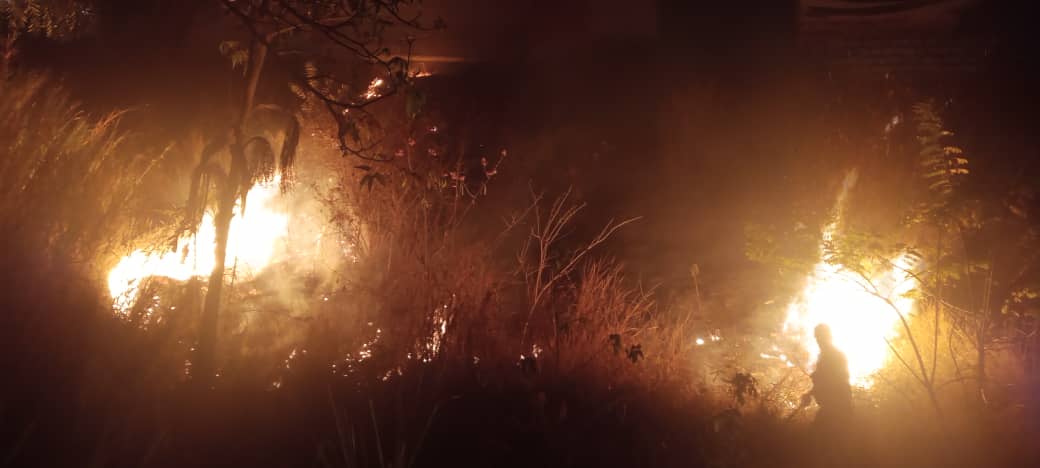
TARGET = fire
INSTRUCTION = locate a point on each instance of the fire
(373, 88)
(253, 239)
(860, 320)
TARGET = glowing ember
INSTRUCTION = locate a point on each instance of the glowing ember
(860, 321)
(252, 241)
(373, 88)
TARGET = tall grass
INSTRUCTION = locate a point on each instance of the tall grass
(67, 180)
(412, 362)
(67, 185)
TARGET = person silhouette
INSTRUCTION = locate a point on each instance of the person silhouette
(831, 388)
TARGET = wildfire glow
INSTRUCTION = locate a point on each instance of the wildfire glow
(860, 320)
(252, 241)
(373, 88)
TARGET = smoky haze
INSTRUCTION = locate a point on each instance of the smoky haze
(412, 303)
(692, 115)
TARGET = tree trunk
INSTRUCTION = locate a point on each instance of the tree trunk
(208, 340)
(257, 57)
(222, 223)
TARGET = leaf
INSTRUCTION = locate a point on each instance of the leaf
(635, 353)
(934, 174)
(310, 70)
(260, 159)
(290, 144)
(349, 127)
(227, 47)
(297, 90)
(369, 178)
(233, 50)
(290, 126)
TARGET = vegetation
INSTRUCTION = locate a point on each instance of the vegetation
(438, 300)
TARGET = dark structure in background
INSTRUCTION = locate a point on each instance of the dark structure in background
(904, 36)
(519, 33)
(635, 103)
(876, 35)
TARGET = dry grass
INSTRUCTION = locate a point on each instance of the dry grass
(615, 382)
(68, 181)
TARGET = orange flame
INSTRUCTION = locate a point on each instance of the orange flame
(253, 239)
(861, 318)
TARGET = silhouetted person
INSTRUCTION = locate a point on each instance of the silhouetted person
(831, 388)
(832, 392)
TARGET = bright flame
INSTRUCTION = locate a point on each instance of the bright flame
(860, 320)
(251, 245)
(373, 88)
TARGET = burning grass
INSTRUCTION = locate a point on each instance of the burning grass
(408, 356)
(254, 241)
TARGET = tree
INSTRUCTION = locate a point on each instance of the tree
(53, 19)
(939, 170)
(251, 160)
(330, 44)
(979, 252)
(316, 30)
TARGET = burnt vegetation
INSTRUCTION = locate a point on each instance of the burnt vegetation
(273, 233)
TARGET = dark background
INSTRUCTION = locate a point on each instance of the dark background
(693, 115)
(701, 117)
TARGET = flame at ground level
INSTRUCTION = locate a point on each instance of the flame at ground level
(862, 313)
(253, 238)
(860, 320)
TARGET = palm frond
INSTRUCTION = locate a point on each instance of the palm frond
(289, 125)
(260, 158)
(203, 178)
